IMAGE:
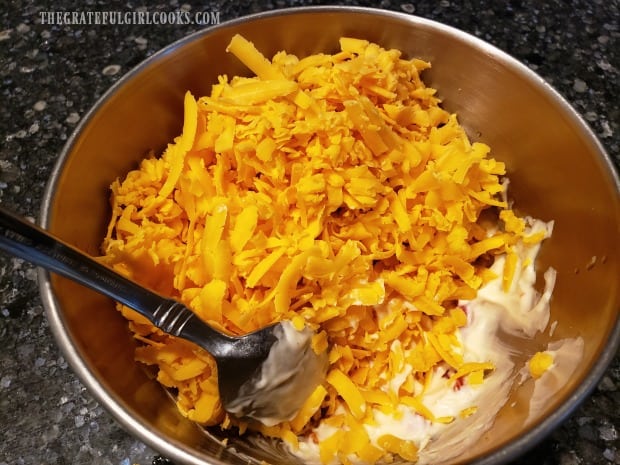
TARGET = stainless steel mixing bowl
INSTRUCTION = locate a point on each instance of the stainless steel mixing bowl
(558, 171)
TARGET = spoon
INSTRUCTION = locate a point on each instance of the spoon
(265, 375)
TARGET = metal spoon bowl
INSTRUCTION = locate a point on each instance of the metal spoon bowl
(245, 364)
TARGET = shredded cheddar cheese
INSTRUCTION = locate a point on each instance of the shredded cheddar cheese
(334, 191)
(540, 363)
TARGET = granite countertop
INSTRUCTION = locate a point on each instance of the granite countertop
(52, 74)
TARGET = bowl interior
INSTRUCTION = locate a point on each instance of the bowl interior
(557, 169)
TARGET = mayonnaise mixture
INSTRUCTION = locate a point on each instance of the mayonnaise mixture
(288, 376)
(567, 354)
(492, 315)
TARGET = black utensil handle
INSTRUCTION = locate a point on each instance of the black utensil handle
(26, 240)
(31, 243)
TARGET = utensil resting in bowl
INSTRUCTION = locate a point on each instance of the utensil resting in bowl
(266, 374)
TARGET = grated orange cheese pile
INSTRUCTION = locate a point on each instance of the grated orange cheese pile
(333, 191)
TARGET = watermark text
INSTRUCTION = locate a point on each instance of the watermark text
(106, 18)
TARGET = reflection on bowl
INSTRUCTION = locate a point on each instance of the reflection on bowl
(550, 154)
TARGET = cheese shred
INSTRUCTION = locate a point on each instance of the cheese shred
(334, 191)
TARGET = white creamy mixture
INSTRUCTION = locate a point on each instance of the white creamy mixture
(521, 311)
(288, 376)
(567, 354)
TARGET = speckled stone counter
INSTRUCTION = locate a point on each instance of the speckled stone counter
(52, 74)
